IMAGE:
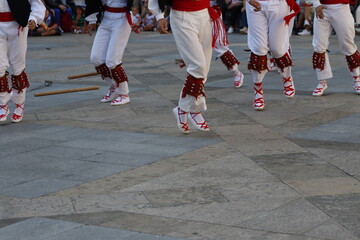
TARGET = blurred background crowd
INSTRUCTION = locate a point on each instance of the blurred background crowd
(69, 16)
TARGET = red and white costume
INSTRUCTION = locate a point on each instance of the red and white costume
(269, 32)
(108, 49)
(192, 24)
(337, 16)
(224, 52)
(13, 45)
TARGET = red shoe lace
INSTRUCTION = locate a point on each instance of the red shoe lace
(289, 88)
(183, 125)
(5, 107)
(16, 116)
(258, 102)
(121, 98)
(203, 125)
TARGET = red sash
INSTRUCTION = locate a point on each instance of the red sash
(6, 17)
(128, 16)
(190, 5)
(334, 1)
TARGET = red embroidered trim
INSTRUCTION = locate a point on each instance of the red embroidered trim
(119, 75)
(103, 70)
(258, 63)
(318, 60)
(353, 61)
(229, 59)
(4, 84)
(283, 62)
(193, 87)
(20, 81)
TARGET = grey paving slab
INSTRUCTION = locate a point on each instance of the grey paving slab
(175, 197)
(331, 230)
(38, 187)
(92, 233)
(36, 229)
(44, 229)
(296, 217)
(344, 209)
(298, 166)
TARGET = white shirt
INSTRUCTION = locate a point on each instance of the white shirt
(110, 3)
(154, 8)
(37, 10)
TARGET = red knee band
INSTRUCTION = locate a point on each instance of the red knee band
(4, 84)
(353, 61)
(193, 87)
(229, 59)
(20, 81)
(119, 75)
(103, 70)
(284, 61)
(258, 63)
(318, 60)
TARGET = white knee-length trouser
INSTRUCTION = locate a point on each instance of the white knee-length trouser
(109, 44)
(339, 18)
(268, 32)
(193, 36)
(13, 45)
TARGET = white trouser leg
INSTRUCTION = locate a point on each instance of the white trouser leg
(18, 98)
(17, 45)
(322, 31)
(258, 39)
(4, 65)
(343, 23)
(256, 76)
(193, 36)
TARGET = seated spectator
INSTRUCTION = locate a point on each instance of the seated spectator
(59, 7)
(149, 21)
(78, 20)
(48, 27)
(305, 18)
(135, 16)
(231, 11)
(244, 24)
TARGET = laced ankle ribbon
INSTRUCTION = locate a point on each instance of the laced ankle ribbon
(203, 125)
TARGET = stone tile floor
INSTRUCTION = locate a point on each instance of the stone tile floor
(79, 169)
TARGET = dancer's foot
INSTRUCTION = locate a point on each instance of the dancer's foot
(121, 100)
(320, 89)
(4, 112)
(259, 104)
(198, 121)
(181, 120)
(289, 89)
(18, 114)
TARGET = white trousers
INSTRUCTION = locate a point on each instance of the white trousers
(267, 29)
(110, 42)
(339, 18)
(13, 45)
(193, 36)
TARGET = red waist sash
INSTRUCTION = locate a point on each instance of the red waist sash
(128, 16)
(6, 17)
(334, 1)
(190, 5)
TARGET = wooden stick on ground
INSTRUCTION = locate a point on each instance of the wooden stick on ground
(66, 91)
(83, 75)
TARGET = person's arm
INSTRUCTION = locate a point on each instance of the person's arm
(162, 25)
(93, 7)
(318, 9)
(37, 13)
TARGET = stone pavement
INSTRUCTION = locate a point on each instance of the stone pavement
(78, 169)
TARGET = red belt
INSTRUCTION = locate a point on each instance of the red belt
(115, 10)
(128, 16)
(6, 17)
